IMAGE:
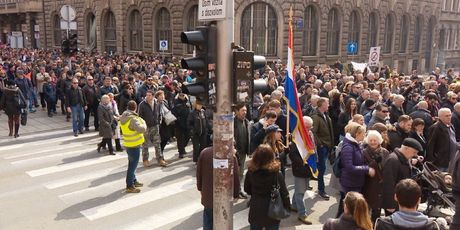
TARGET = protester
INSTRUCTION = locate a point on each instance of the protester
(49, 95)
(355, 215)
(133, 128)
(181, 110)
(91, 93)
(76, 103)
(241, 135)
(12, 102)
(442, 144)
(197, 123)
(106, 118)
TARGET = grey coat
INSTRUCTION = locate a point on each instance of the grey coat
(105, 114)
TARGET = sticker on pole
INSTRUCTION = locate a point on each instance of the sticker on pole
(163, 45)
(211, 10)
(374, 56)
(220, 163)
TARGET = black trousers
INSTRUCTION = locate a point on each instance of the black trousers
(88, 111)
(182, 136)
(107, 141)
(340, 209)
(199, 143)
(42, 99)
(50, 105)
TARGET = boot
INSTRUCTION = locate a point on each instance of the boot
(16, 130)
(118, 147)
(10, 127)
(99, 147)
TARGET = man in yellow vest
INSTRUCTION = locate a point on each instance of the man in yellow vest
(133, 128)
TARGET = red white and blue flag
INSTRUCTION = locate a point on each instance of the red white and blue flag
(300, 136)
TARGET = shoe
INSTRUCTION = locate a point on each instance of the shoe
(324, 195)
(112, 153)
(98, 148)
(16, 135)
(241, 195)
(96, 129)
(181, 156)
(137, 184)
(132, 190)
(10, 134)
(75, 134)
(87, 129)
(146, 163)
(293, 209)
(304, 220)
(67, 119)
(50, 115)
(162, 163)
(32, 110)
(80, 131)
(54, 112)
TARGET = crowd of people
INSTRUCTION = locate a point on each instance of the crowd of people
(378, 123)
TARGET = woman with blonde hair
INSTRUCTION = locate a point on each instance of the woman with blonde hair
(355, 216)
(263, 173)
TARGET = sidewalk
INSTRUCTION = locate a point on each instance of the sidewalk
(36, 122)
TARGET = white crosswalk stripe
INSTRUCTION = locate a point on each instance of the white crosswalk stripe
(90, 185)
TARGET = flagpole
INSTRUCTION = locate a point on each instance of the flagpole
(288, 107)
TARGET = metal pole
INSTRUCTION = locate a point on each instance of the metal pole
(223, 125)
(68, 20)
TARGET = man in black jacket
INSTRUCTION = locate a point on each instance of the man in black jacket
(198, 125)
(400, 132)
(181, 110)
(396, 109)
(423, 113)
(258, 129)
(75, 102)
(91, 93)
(241, 136)
(396, 168)
(149, 110)
(456, 120)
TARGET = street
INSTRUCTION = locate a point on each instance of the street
(53, 180)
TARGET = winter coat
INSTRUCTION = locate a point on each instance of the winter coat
(123, 100)
(456, 124)
(25, 85)
(438, 149)
(181, 111)
(343, 222)
(343, 120)
(11, 100)
(75, 97)
(395, 113)
(395, 168)
(241, 145)
(49, 91)
(197, 123)
(299, 169)
(40, 81)
(322, 130)
(375, 119)
(372, 189)
(105, 115)
(425, 116)
(396, 138)
(354, 168)
(421, 141)
(259, 184)
(150, 114)
(91, 94)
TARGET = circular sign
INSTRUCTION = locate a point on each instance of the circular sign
(163, 44)
(374, 56)
(68, 13)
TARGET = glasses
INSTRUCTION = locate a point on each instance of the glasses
(75, 83)
(149, 79)
(90, 79)
(130, 88)
(385, 111)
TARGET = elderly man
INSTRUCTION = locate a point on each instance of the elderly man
(397, 168)
(396, 109)
(302, 175)
(423, 113)
(442, 144)
(379, 115)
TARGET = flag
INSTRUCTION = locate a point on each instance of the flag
(300, 136)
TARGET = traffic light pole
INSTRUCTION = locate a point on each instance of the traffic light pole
(223, 125)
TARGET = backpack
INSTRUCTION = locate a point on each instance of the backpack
(336, 167)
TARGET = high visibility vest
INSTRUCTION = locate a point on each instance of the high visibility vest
(131, 138)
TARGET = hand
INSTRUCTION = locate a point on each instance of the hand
(413, 161)
(371, 172)
(265, 125)
(69, 110)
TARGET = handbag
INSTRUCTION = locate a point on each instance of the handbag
(276, 209)
(168, 117)
(23, 117)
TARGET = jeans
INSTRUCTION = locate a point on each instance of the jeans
(257, 227)
(77, 118)
(133, 159)
(207, 219)
(300, 187)
(322, 157)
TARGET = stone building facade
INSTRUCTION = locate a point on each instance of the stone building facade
(408, 31)
(449, 35)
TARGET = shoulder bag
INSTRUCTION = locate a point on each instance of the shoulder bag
(276, 209)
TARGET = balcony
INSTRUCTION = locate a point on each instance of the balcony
(20, 6)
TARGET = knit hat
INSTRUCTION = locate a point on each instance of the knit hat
(412, 143)
(273, 128)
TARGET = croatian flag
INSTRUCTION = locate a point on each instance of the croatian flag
(300, 136)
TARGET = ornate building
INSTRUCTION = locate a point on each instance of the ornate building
(449, 35)
(406, 30)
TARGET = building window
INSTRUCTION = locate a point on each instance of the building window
(57, 34)
(192, 23)
(135, 30)
(259, 31)
(355, 27)
(310, 31)
(418, 33)
(373, 31)
(163, 28)
(442, 39)
(403, 35)
(388, 36)
(110, 32)
(333, 32)
(91, 32)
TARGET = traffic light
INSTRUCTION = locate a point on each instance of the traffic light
(204, 38)
(244, 65)
(65, 47)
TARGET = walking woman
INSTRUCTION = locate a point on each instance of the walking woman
(49, 95)
(116, 115)
(133, 128)
(354, 168)
(106, 119)
(263, 172)
(12, 102)
(355, 216)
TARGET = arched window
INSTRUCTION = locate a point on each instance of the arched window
(135, 30)
(333, 32)
(163, 28)
(418, 33)
(372, 37)
(355, 27)
(403, 34)
(310, 31)
(91, 31)
(259, 30)
(57, 34)
(110, 33)
(389, 32)
(192, 23)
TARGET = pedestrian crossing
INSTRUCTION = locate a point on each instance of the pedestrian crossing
(87, 187)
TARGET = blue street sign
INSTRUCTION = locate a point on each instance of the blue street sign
(352, 48)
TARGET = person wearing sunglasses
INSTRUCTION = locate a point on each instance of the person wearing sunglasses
(76, 104)
(379, 115)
